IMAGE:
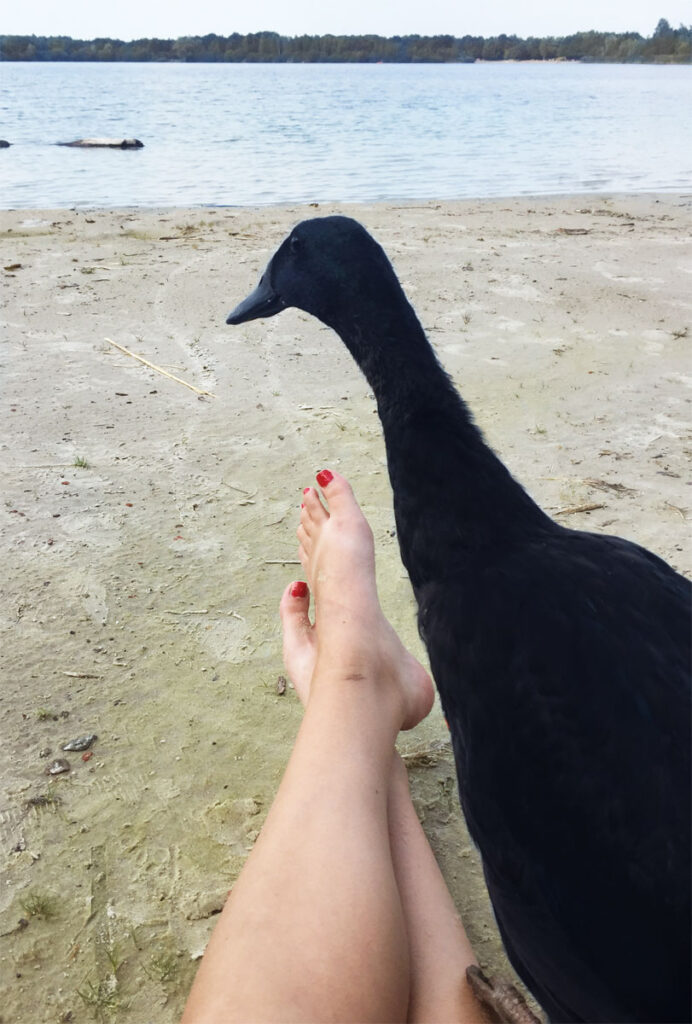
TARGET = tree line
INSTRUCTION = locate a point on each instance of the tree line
(665, 45)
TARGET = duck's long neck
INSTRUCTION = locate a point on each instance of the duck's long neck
(454, 499)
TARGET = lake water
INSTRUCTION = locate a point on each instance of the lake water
(237, 134)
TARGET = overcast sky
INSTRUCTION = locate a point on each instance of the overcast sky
(132, 19)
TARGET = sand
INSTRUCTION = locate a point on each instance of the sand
(147, 532)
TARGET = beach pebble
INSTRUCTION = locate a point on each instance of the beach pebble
(58, 766)
(81, 742)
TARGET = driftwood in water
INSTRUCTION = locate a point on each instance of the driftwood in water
(105, 143)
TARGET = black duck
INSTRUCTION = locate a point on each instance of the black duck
(562, 659)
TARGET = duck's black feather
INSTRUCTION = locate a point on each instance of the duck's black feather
(562, 672)
(562, 660)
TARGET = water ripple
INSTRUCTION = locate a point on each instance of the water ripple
(256, 134)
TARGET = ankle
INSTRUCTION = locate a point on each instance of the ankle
(355, 681)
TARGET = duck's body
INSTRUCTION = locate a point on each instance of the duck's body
(562, 660)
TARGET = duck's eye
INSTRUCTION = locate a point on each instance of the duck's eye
(295, 244)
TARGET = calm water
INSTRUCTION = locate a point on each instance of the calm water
(255, 134)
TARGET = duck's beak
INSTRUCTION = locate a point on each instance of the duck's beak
(263, 302)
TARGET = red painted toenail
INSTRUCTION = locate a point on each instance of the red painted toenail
(299, 589)
(324, 477)
(306, 490)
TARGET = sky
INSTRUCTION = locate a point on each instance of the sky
(133, 19)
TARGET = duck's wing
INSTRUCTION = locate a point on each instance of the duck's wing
(564, 675)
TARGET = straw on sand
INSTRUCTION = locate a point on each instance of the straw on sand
(152, 366)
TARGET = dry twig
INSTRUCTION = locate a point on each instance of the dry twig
(606, 485)
(578, 508)
(152, 366)
(682, 512)
(191, 611)
(504, 1001)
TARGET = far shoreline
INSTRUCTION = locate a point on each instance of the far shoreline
(665, 44)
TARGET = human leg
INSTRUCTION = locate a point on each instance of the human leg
(320, 878)
(439, 950)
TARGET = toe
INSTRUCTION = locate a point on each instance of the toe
(304, 538)
(293, 609)
(344, 509)
(298, 638)
(304, 558)
(338, 492)
(312, 511)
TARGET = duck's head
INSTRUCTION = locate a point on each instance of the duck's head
(331, 268)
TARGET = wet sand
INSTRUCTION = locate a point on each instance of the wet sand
(147, 532)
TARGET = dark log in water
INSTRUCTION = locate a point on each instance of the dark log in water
(105, 143)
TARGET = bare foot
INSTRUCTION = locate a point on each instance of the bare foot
(299, 638)
(351, 640)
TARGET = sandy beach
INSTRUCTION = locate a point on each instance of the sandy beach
(147, 532)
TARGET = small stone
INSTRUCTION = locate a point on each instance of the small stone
(81, 742)
(58, 766)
